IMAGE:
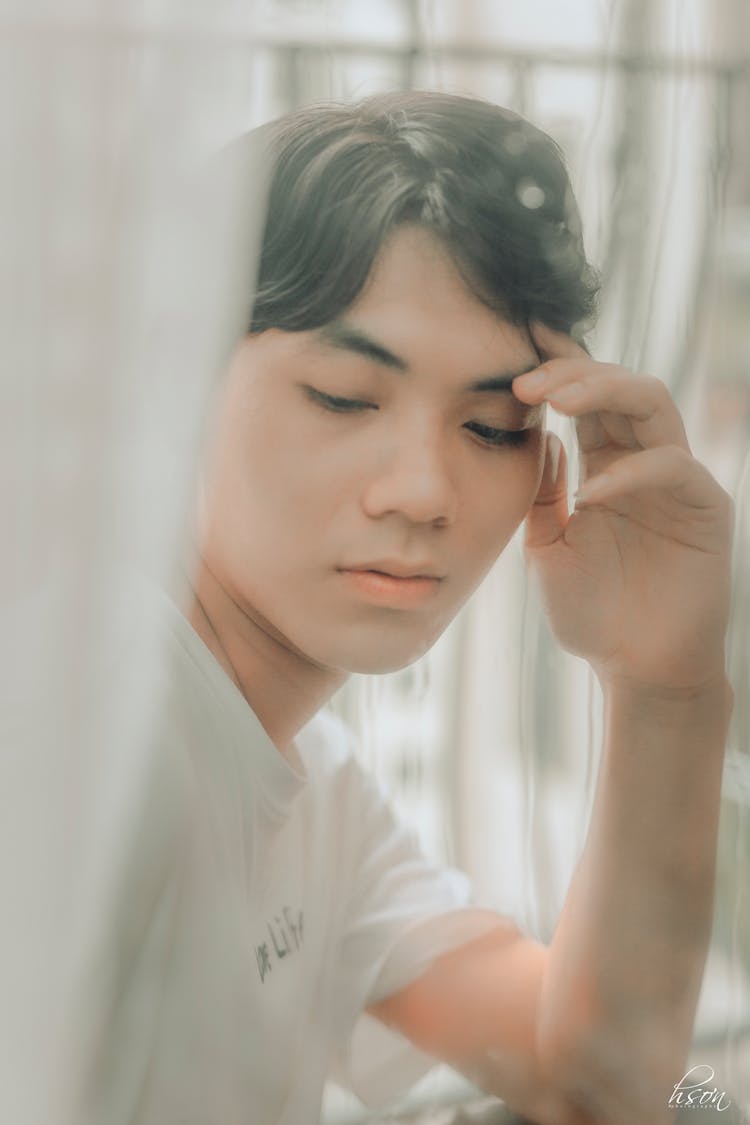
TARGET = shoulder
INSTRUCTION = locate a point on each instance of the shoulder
(339, 780)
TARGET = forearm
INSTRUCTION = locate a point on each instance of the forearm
(627, 958)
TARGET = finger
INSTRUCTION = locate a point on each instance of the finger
(669, 468)
(551, 344)
(576, 387)
(592, 434)
(548, 516)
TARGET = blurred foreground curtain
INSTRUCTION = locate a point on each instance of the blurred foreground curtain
(125, 270)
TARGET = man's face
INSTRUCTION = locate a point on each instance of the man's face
(363, 478)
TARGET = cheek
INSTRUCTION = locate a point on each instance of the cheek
(501, 498)
(497, 507)
(292, 493)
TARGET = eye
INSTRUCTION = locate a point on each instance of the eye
(490, 435)
(337, 404)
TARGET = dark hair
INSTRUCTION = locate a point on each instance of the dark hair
(492, 186)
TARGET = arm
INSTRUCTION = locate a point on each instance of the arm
(629, 950)
(597, 1027)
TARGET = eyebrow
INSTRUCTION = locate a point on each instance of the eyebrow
(346, 337)
(350, 339)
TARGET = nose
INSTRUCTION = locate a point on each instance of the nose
(412, 478)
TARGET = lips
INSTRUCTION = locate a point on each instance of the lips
(411, 587)
(394, 568)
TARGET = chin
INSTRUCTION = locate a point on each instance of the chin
(377, 658)
(379, 667)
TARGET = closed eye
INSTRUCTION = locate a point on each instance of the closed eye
(337, 404)
(490, 435)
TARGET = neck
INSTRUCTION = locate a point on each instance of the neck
(282, 686)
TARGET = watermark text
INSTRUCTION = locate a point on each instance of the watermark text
(694, 1091)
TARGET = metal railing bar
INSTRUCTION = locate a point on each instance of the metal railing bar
(578, 59)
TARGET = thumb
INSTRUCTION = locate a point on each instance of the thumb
(548, 517)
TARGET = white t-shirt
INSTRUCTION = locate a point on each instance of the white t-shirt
(286, 898)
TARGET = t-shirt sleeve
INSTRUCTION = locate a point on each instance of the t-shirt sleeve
(402, 913)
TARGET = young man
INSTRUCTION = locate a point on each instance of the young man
(378, 439)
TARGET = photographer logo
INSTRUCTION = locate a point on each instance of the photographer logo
(695, 1091)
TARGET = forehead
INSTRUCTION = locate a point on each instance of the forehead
(415, 290)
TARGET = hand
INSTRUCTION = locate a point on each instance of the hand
(637, 578)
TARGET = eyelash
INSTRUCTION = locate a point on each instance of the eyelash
(339, 405)
(494, 437)
(490, 435)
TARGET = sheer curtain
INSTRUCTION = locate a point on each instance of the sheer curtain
(126, 273)
(122, 287)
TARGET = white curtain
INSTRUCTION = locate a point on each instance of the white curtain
(121, 291)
